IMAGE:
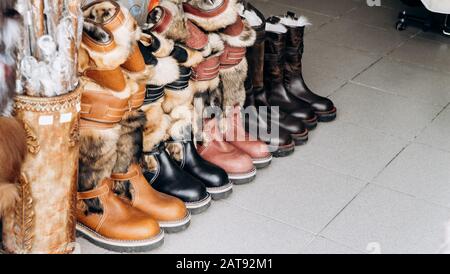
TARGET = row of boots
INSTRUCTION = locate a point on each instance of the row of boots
(162, 115)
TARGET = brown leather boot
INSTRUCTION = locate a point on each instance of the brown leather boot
(293, 77)
(276, 92)
(120, 227)
(237, 136)
(235, 162)
(170, 212)
(290, 128)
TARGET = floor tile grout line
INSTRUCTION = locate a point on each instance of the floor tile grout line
(390, 162)
(447, 207)
(343, 208)
(419, 101)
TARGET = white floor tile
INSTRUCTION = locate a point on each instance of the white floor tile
(394, 222)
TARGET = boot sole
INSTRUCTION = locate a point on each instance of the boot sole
(118, 245)
(300, 139)
(284, 151)
(311, 124)
(326, 117)
(176, 226)
(263, 162)
(220, 193)
(200, 206)
(242, 179)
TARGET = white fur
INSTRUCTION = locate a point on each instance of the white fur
(215, 23)
(108, 60)
(251, 16)
(302, 21)
(166, 71)
(236, 41)
(277, 28)
(166, 48)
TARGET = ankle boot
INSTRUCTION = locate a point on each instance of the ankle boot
(215, 178)
(293, 78)
(236, 135)
(170, 212)
(119, 227)
(165, 176)
(255, 94)
(277, 94)
(235, 162)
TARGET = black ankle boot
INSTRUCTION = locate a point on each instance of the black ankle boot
(215, 179)
(293, 77)
(167, 177)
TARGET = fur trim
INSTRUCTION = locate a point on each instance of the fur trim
(98, 154)
(246, 39)
(216, 43)
(250, 15)
(277, 28)
(102, 60)
(13, 149)
(176, 151)
(177, 30)
(215, 23)
(203, 86)
(129, 146)
(174, 99)
(233, 84)
(166, 46)
(302, 21)
(156, 129)
(194, 58)
(166, 71)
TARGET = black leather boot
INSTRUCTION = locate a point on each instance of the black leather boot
(290, 128)
(167, 177)
(293, 77)
(277, 95)
(215, 179)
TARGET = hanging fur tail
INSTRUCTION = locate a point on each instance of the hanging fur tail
(13, 150)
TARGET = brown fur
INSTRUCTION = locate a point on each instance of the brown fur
(175, 150)
(129, 148)
(156, 129)
(233, 80)
(13, 150)
(98, 155)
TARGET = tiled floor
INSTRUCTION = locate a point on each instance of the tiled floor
(377, 179)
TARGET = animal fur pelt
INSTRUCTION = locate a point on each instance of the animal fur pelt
(129, 148)
(98, 155)
(13, 150)
(13, 146)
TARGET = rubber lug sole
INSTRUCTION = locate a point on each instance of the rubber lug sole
(117, 245)
(326, 117)
(300, 139)
(242, 179)
(176, 226)
(262, 163)
(220, 193)
(200, 206)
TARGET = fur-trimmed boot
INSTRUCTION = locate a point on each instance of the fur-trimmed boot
(274, 69)
(263, 119)
(160, 170)
(102, 217)
(293, 77)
